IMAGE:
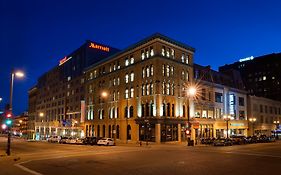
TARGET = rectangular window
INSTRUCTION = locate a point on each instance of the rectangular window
(126, 93)
(218, 97)
(241, 101)
(132, 93)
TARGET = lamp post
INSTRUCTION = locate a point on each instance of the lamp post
(227, 118)
(253, 120)
(191, 93)
(276, 122)
(14, 74)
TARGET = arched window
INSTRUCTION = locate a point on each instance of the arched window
(129, 137)
(168, 109)
(183, 111)
(151, 109)
(98, 131)
(142, 110)
(126, 112)
(117, 112)
(113, 112)
(146, 109)
(103, 130)
(109, 131)
(117, 132)
(147, 72)
(173, 110)
(164, 109)
(131, 111)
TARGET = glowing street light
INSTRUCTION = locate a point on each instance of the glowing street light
(227, 118)
(192, 91)
(253, 120)
(18, 74)
(41, 114)
(104, 94)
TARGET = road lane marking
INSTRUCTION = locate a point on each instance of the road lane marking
(19, 165)
(27, 169)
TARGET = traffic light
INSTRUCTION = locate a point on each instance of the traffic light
(8, 118)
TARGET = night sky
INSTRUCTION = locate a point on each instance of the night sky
(36, 34)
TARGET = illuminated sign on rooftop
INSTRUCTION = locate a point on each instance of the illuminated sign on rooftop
(65, 59)
(246, 59)
(99, 47)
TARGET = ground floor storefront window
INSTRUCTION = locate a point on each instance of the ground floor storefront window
(147, 132)
(169, 132)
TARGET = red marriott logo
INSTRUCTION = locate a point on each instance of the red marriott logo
(96, 46)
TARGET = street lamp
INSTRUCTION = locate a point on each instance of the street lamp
(253, 120)
(276, 122)
(14, 74)
(227, 118)
(191, 93)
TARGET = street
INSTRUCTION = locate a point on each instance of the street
(49, 158)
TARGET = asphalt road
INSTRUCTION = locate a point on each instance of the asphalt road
(51, 159)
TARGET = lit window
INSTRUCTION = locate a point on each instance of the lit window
(114, 67)
(143, 89)
(118, 65)
(147, 89)
(182, 58)
(142, 55)
(114, 82)
(172, 70)
(118, 95)
(132, 60)
(132, 92)
(126, 62)
(118, 81)
(168, 52)
(151, 88)
(163, 51)
(186, 61)
(273, 78)
(143, 72)
(147, 71)
(126, 78)
(110, 68)
(187, 76)
(168, 89)
(132, 76)
(163, 69)
(168, 70)
(126, 93)
(163, 88)
(147, 53)
(91, 75)
(173, 89)
(151, 51)
(173, 53)
(264, 77)
(151, 70)
(114, 96)
(95, 74)
(68, 78)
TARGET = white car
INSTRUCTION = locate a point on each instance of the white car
(71, 140)
(54, 139)
(106, 141)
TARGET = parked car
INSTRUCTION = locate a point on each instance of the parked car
(79, 141)
(63, 140)
(207, 141)
(71, 140)
(106, 141)
(54, 139)
(251, 139)
(238, 140)
(222, 142)
(263, 139)
(90, 141)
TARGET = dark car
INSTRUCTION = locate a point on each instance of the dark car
(90, 141)
(222, 142)
(251, 139)
(238, 140)
(263, 139)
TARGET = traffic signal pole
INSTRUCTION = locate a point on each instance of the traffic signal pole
(8, 151)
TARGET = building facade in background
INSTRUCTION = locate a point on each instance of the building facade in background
(57, 103)
(261, 75)
(219, 95)
(265, 115)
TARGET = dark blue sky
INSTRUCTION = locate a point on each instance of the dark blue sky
(36, 34)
